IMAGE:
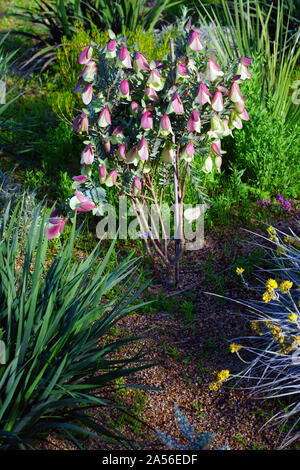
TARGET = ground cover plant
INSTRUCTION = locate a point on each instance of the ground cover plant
(53, 322)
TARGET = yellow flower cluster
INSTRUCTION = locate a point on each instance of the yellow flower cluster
(272, 233)
(239, 271)
(292, 317)
(256, 326)
(285, 286)
(235, 347)
(292, 241)
(275, 330)
(219, 379)
(271, 284)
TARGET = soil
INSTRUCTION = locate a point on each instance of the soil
(188, 344)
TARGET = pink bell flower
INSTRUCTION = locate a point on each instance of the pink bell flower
(181, 71)
(217, 101)
(107, 145)
(102, 174)
(168, 155)
(87, 94)
(203, 94)
(81, 123)
(104, 119)
(235, 93)
(155, 80)
(87, 155)
(90, 71)
(54, 227)
(194, 43)
(175, 106)
(112, 178)
(165, 127)
(124, 88)
(140, 62)
(142, 149)
(147, 121)
(122, 151)
(194, 124)
(151, 93)
(134, 107)
(137, 186)
(81, 203)
(188, 152)
(124, 58)
(85, 55)
(213, 70)
(111, 49)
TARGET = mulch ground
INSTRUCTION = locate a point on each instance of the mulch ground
(188, 346)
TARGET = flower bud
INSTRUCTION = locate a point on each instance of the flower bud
(194, 124)
(217, 101)
(175, 105)
(147, 121)
(203, 94)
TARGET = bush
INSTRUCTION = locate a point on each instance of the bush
(67, 66)
(54, 324)
(267, 148)
(273, 368)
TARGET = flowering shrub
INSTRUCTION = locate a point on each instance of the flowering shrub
(279, 206)
(275, 321)
(145, 121)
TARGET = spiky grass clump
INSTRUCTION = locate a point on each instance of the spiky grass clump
(274, 371)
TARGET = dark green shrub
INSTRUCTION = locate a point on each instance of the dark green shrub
(54, 321)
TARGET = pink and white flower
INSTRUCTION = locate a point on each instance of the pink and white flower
(147, 121)
(155, 80)
(213, 70)
(81, 123)
(85, 55)
(217, 101)
(142, 149)
(124, 58)
(165, 127)
(194, 124)
(111, 49)
(124, 88)
(87, 155)
(188, 152)
(87, 94)
(81, 203)
(104, 119)
(203, 94)
(168, 154)
(175, 105)
(90, 71)
(151, 93)
(54, 227)
(194, 43)
(140, 62)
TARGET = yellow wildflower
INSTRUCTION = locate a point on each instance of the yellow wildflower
(292, 317)
(223, 374)
(215, 386)
(235, 347)
(285, 286)
(256, 326)
(271, 284)
(239, 271)
(267, 296)
(271, 230)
